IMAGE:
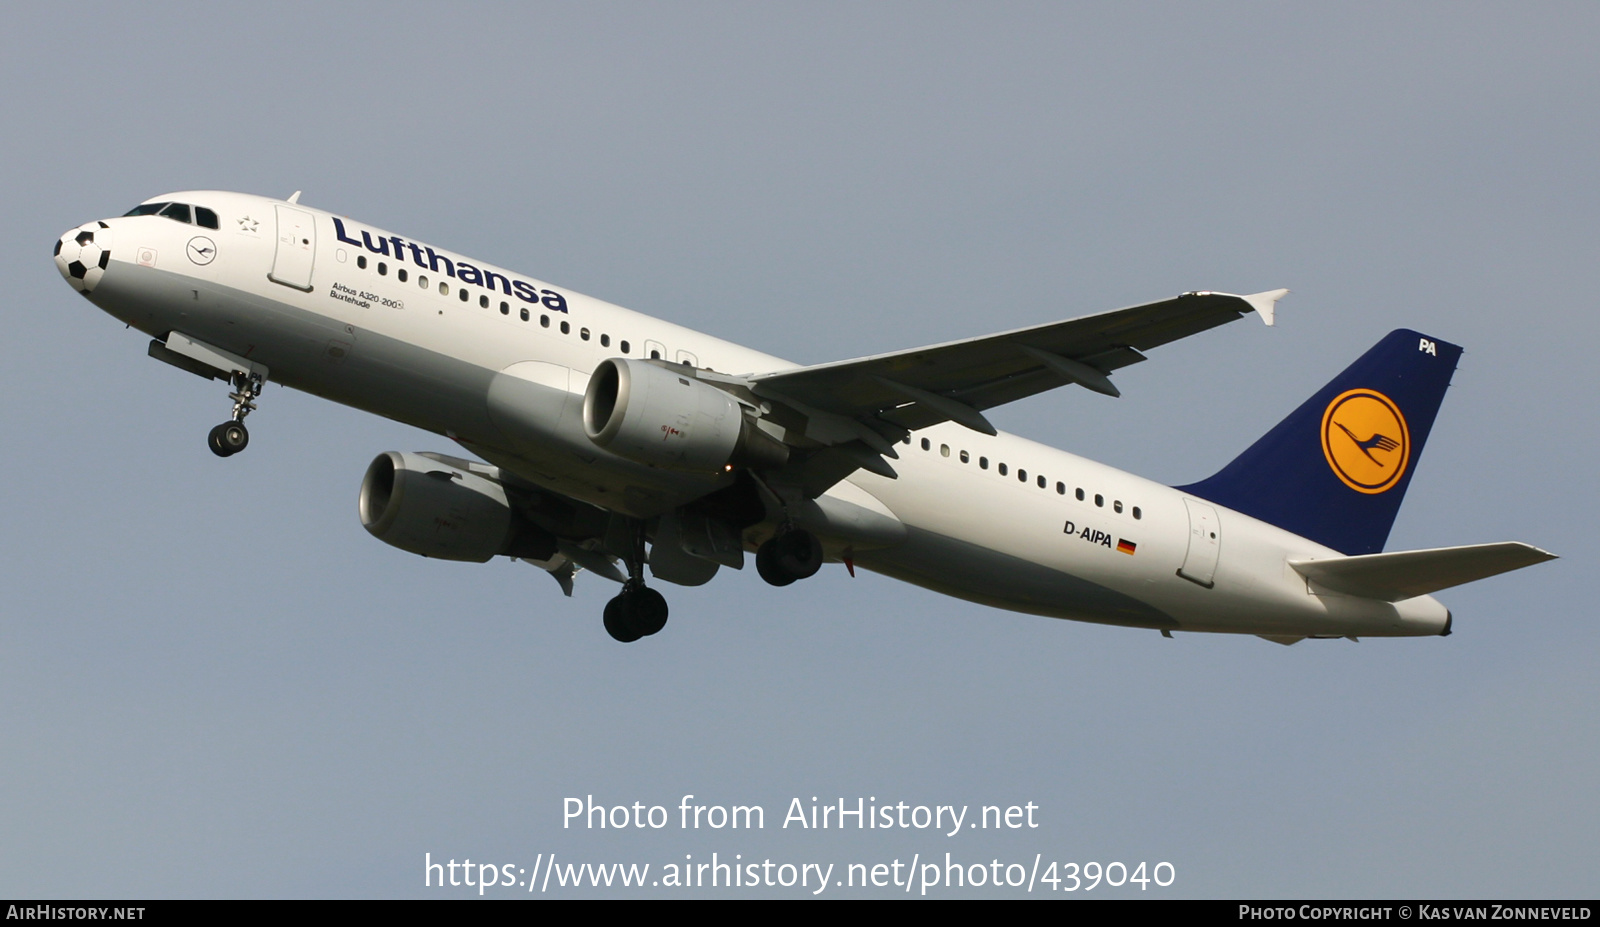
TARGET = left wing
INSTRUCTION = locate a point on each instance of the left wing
(955, 381)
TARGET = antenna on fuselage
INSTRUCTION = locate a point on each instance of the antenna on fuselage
(294, 197)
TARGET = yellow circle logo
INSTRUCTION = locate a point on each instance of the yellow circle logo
(1366, 441)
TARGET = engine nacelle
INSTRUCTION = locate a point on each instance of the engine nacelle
(654, 415)
(431, 508)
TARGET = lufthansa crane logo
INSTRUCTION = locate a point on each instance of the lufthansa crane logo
(202, 250)
(1365, 439)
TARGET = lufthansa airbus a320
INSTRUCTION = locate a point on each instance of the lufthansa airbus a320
(613, 443)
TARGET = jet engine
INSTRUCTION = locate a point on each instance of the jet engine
(428, 507)
(657, 416)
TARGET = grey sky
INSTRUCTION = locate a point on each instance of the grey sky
(214, 683)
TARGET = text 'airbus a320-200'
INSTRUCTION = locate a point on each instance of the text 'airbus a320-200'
(611, 437)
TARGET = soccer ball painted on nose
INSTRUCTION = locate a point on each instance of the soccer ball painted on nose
(82, 255)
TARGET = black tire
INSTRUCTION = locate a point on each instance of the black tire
(649, 611)
(799, 553)
(214, 441)
(232, 437)
(769, 568)
(619, 620)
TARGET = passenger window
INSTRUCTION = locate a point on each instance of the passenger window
(1061, 488)
(544, 321)
(654, 355)
(965, 458)
(1042, 481)
(583, 333)
(1022, 476)
(401, 273)
(178, 211)
(383, 269)
(524, 313)
(1136, 513)
(1099, 500)
(1117, 506)
(483, 301)
(983, 463)
(944, 450)
(624, 347)
(444, 289)
(205, 218)
(463, 294)
(926, 444)
(605, 341)
(422, 281)
(506, 309)
(565, 328)
(1080, 493)
(1002, 469)
(361, 261)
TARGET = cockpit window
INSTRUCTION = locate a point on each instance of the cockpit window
(178, 212)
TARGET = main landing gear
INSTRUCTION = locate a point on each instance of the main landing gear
(231, 437)
(637, 611)
(789, 555)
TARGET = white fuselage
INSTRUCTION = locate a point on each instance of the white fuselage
(499, 362)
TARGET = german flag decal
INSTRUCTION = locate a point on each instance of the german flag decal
(1126, 546)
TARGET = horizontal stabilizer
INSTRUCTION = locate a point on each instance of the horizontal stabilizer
(1404, 574)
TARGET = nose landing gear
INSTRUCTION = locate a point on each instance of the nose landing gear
(228, 438)
(231, 437)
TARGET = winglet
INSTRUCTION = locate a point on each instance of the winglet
(293, 197)
(1264, 303)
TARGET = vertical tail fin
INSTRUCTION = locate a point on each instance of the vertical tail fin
(1336, 469)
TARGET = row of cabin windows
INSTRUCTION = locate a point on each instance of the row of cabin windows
(1039, 480)
(505, 307)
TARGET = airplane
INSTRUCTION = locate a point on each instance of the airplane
(605, 437)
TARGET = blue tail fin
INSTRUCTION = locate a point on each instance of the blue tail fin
(1336, 469)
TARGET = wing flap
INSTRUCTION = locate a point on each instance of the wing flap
(1404, 574)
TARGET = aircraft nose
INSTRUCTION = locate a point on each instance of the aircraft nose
(83, 253)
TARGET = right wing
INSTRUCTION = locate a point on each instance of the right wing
(856, 410)
(954, 381)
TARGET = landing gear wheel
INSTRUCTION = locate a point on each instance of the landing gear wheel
(791, 555)
(649, 611)
(228, 438)
(619, 620)
(634, 613)
(798, 553)
(767, 565)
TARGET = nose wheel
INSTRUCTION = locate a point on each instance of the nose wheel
(231, 437)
